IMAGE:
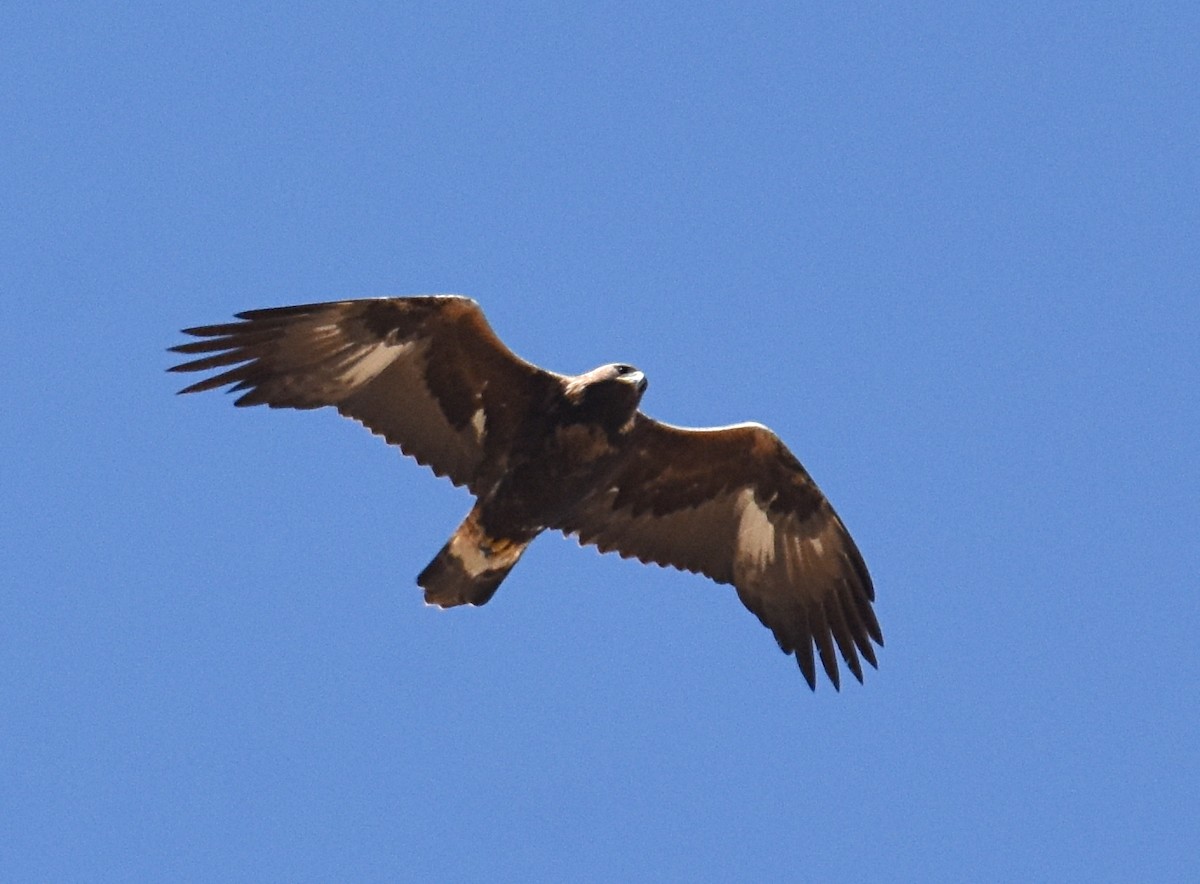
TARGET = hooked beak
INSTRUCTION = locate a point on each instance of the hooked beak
(638, 379)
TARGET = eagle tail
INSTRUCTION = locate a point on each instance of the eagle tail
(471, 566)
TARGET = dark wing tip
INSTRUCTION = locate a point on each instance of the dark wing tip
(806, 661)
(278, 313)
(198, 387)
(249, 351)
(823, 627)
(225, 345)
(828, 656)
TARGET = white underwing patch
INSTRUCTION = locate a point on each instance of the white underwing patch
(373, 360)
(755, 534)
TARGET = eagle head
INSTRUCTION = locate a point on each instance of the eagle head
(625, 374)
(609, 394)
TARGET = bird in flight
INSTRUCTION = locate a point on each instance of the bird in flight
(544, 451)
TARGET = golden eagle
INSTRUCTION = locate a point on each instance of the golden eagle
(540, 450)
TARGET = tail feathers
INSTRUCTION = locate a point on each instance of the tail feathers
(470, 567)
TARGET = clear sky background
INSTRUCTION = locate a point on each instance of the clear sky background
(949, 252)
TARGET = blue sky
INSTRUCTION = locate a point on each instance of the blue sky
(947, 251)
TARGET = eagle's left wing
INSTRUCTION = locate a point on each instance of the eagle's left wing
(426, 373)
(734, 504)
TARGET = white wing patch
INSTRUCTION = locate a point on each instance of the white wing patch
(372, 361)
(479, 424)
(755, 534)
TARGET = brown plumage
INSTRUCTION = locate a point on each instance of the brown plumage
(540, 450)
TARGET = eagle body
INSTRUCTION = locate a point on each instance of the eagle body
(544, 451)
(569, 444)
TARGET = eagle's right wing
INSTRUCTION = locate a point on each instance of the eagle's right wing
(427, 374)
(734, 504)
